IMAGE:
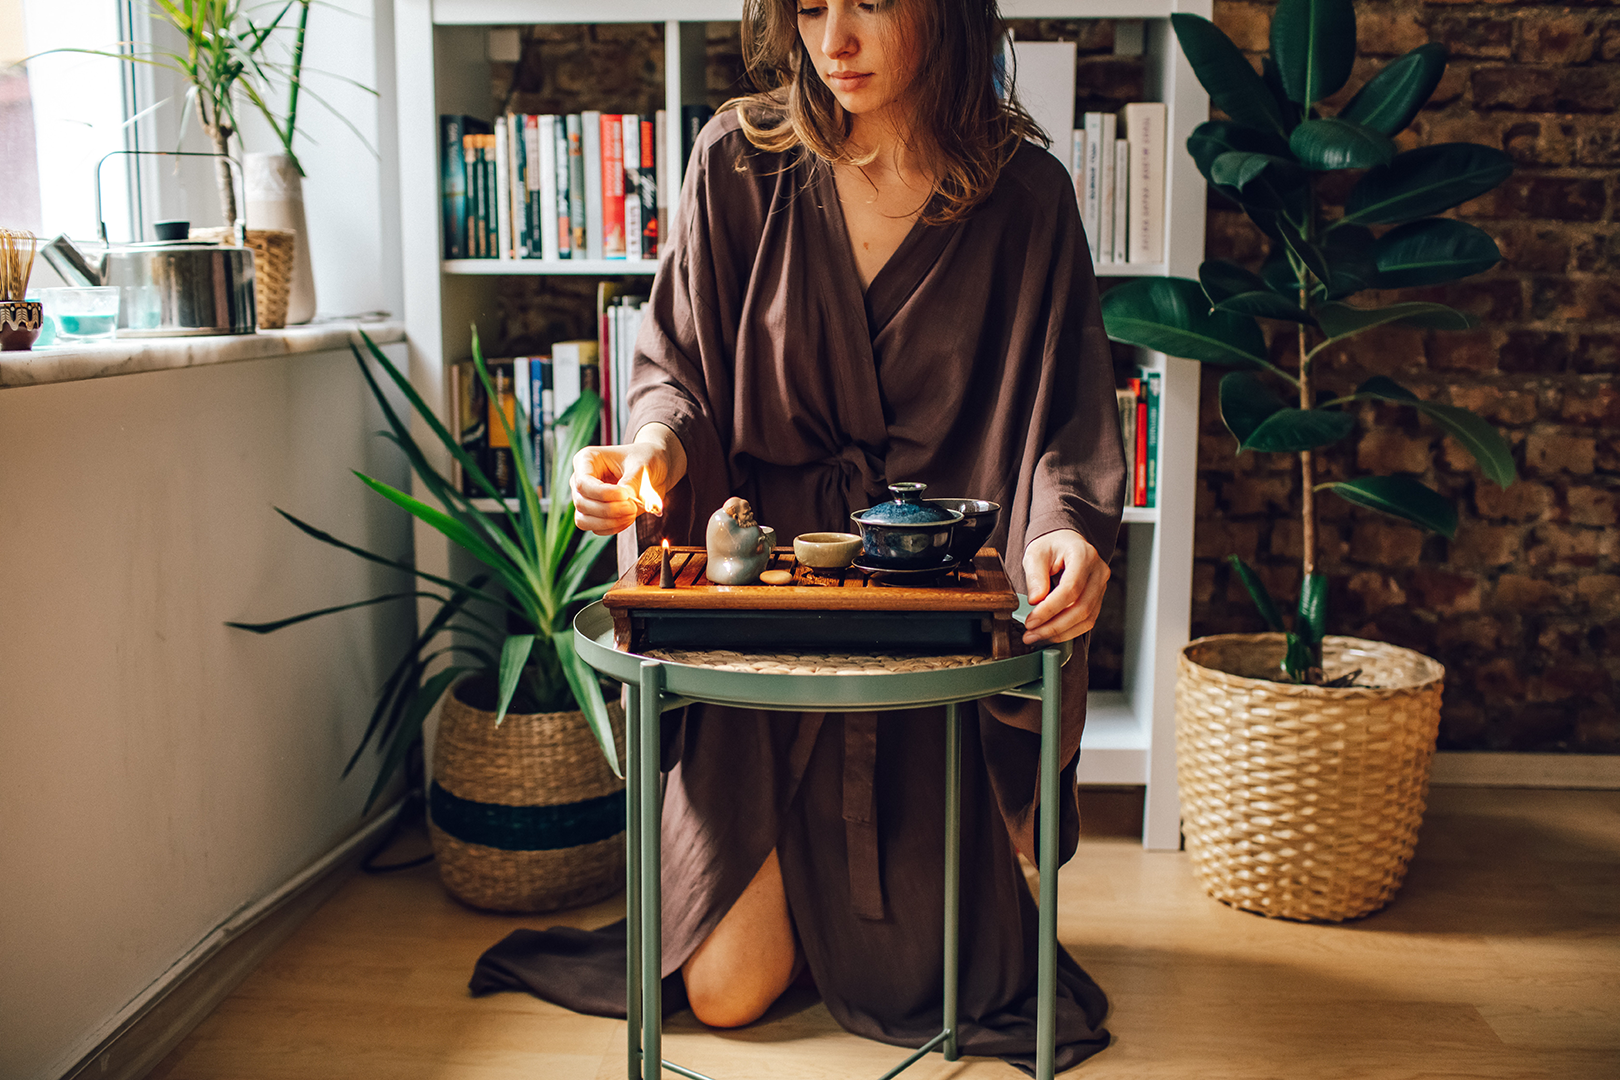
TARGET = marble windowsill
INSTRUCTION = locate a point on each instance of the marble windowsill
(127, 357)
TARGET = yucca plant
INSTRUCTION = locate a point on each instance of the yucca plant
(1270, 156)
(536, 565)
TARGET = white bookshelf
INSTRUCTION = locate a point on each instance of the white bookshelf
(1130, 733)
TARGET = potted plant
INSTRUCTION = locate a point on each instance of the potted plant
(527, 794)
(1303, 759)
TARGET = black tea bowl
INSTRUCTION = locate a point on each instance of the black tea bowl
(906, 534)
(979, 519)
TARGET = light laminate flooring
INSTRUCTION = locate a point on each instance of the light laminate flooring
(1500, 958)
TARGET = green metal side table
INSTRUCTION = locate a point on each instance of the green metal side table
(657, 686)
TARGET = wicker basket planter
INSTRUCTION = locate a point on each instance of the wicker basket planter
(273, 253)
(1303, 802)
(526, 816)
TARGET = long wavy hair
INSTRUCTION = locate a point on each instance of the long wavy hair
(961, 124)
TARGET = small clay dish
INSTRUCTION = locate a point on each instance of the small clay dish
(979, 519)
(826, 550)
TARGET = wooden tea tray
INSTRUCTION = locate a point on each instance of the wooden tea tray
(970, 609)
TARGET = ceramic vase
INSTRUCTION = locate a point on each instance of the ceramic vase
(275, 200)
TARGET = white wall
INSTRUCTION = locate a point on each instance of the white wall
(158, 770)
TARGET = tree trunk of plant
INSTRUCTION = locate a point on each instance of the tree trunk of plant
(1306, 465)
(222, 172)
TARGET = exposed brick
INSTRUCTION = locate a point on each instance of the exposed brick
(1248, 25)
(1386, 544)
(1580, 681)
(1376, 591)
(1498, 406)
(1598, 405)
(1545, 90)
(1598, 144)
(1490, 301)
(1485, 546)
(1518, 592)
(1464, 350)
(1485, 36)
(1538, 142)
(1383, 32)
(1534, 350)
(1203, 586)
(1597, 250)
(1499, 678)
(1601, 595)
(1534, 248)
(1590, 506)
(1578, 546)
(1563, 39)
(1444, 593)
(1563, 198)
(1521, 501)
(1259, 494)
(1385, 450)
(1482, 632)
(1551, 452)
(1596, 353)
(1218, 539)
(1609, 49)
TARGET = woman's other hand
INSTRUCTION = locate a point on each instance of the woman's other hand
(1066, 580)
(607, 479)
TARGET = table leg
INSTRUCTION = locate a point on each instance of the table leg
(1046, 1014)
(953, 868)
(632, 882)
(652, 951)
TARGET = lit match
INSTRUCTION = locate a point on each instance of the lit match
(647, 496)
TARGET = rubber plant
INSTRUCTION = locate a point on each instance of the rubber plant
(535, 565)
(1271, 155)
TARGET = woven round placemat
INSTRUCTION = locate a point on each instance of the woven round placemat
(526, 816)
(815, 663)
(1303, 802)
(273, 252)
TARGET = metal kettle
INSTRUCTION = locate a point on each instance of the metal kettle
(170, 287)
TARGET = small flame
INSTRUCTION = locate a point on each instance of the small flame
(666, 543)
(647, 495)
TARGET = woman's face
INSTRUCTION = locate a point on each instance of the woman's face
(861, 52)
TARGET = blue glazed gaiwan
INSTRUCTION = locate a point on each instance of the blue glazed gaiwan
(906, 533)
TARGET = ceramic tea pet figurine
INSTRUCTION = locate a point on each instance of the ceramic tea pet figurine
(739, 547)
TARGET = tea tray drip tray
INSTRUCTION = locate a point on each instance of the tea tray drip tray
(967, 610)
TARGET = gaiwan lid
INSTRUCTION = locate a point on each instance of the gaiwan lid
(907, 508)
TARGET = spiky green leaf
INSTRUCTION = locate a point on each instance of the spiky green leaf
(1258, 593)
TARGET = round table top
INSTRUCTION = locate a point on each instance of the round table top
(772, 681)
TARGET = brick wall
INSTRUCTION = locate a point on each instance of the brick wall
(1522, 606)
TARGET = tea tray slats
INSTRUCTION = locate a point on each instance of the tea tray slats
(966, 610)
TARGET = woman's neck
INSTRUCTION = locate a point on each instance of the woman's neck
(886, 136)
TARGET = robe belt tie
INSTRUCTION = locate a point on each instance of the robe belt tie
(862, 479)
(860, 815)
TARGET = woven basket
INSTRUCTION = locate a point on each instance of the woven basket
(273, 251)
(1303, 802)
(526, 816)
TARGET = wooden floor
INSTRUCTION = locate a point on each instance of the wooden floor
(1500, 958)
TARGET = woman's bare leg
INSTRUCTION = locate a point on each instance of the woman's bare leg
(749, 959)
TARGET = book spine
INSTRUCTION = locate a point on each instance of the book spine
(1139, 491)
(469, 154)
(576, 187)
(661, 155)
(1153, 440)
(606, 293)
(453, 185)
(503, 190)
(647, 186)
(1105, 191)
(561, 226)
(472, 429)
(1122, 177)
(1144, 124)
(1125, 402)
(612, 172)
(534, 172)
(591, 144)
(1090, 204)
(1077, 168)
(492, 247)
(520, 414)
(548, 217)
(500, 470)
(540, 421)
(630, 173)
(518, 142)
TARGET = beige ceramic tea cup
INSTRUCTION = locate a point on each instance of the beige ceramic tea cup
(826, 550)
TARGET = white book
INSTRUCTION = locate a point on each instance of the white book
(1043, 78)
(521, 385)
(503, 192)
(568, 358)
(517, 186)
(631, 123)
(661, 155)
(1122, 186)
(1105, 191)
(1144, 127)
(1077, 162)
(591, 131)
(545, 137)
(1091, 189)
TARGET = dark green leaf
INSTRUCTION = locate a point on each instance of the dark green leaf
(1233, 86)
(272, 627)
(1313, 595)
(1278, 272)
(1300, 658)
(410, 726)
(1479, 438)
(1393, 97)
(1401, 497)
(1314, 258)
(1240, 168)
(1258, 593)
(1351, 266)
(1288, 431)
(514, 654)
(1246, 402)
(1291, 112)
(1339, 144)
(1213, 138)
(1425, 181)
(1314, 45)
(1342, 320)
(1172, 316)
(1232, 288)
(1432, 251)
(1265, 305)
(588, 692)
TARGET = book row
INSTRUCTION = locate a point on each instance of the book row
(1117, 162)
(540, 389)
(584, 186)
(1139, 427)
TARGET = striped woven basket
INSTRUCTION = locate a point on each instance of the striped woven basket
(273, 254)
(526, 816)
(1303, 802)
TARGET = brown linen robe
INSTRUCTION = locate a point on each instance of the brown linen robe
(975, 362)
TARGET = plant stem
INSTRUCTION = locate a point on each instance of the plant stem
(293, 79)
(1306, 465)
(227, 188)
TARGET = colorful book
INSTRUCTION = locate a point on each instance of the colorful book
(454, 181)
(472, 148)
(504, 401)
(647, 187)
(630, 171)
(612, 173)
(1153, 424)
(1141, 443)
(470, 408)
(574, 130)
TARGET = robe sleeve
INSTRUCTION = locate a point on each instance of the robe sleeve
(1077, 475)
(681, 373)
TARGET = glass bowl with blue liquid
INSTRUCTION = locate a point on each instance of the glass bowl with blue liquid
(82, 316)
